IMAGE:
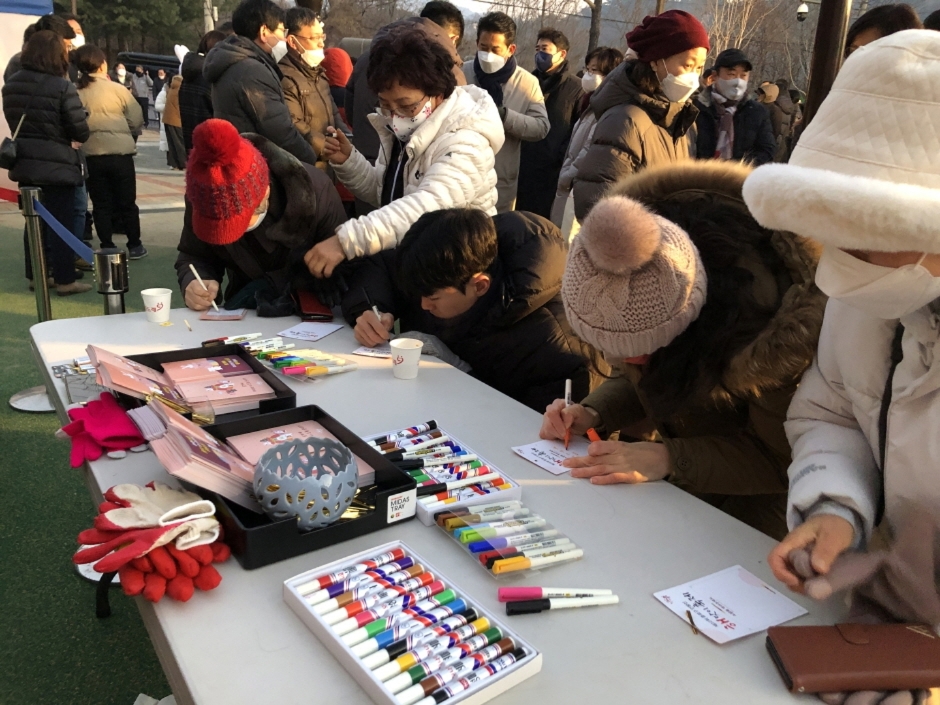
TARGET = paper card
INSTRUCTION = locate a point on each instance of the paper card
(549, 455)
(380, 351)
(730, 604)
(310, 332)
(223, 314)
(402, 505)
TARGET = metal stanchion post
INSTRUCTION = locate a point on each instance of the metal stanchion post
(111, 275)
(35, 399)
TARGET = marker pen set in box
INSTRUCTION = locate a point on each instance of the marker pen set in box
(506, 537)
(448, 473)
(407, 634)
(305, 364)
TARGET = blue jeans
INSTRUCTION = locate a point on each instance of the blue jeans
(81, 208)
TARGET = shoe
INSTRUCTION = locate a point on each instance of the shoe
(79, 274)
(138, 252)
(83, 266)
(50, 282)
(73, 288)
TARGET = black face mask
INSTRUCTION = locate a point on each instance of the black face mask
(139, 72)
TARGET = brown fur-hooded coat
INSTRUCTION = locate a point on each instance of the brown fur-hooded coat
(730, 440)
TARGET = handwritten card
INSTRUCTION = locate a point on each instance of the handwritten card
(549, 455)
(730, 604)
(310, 332)
(379, 351)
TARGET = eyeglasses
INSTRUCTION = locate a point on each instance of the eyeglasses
(315, 38)
(408, 111)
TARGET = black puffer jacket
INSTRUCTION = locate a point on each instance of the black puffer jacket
(55, 118)
(304, 209)
(246, 91)
(754, 140)
(516, 338)
(195, 96)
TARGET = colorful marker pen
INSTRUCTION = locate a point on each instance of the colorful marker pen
(558, 603)
(456, 525)
(592, 435)
(506, 528)
(413, 442)
(479, 509)
(384, 671)
(387, 595)
(508, 541)
(386, 573)
(442, 621)
(459, 627)
(508, 565)
(366, 625)
(464, 494)
(411, 695)
(515, 594)
(472, 678)
(404, 433)
(435, 662)
(368, 587)
(397, 631)
(443, 459)
(445, 449)
(435, 487)
(369, 564)
(488, 558)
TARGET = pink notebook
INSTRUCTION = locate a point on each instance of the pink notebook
(244, 391)
(207, 369)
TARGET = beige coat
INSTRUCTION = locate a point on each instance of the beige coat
(526, 121)
(113, 117)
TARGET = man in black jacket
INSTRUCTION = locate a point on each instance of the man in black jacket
(246, 82)
(489, 290)
(730, 125)
(540, 162)
(252, 213)
(306, 90)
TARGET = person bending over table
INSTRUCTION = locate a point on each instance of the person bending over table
(252, 212)
(486, 288)
(711, 320)
(439, 142)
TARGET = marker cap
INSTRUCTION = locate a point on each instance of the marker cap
(515, 594)
(528, 606)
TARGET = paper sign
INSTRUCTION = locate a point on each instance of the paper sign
(730, 604)
(402, 505)
(380, 351)
(549, 455)
(310, 332)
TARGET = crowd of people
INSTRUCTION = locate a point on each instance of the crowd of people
(656, 226)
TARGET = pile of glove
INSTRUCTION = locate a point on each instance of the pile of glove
(160, 541)
(101, 426)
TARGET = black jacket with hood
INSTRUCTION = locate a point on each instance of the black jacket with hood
(754, 140)
(246, 91)
(195, 96)
(516, 338)
(304, 208)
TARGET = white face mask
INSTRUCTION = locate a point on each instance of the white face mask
(732, 88)
(122, 73)
(881, 292)
(489, 62)
(404, 127)
(679, 88)
(279, 50)
(313, 57)
(257, 222)
(78, 41)
(590, 82)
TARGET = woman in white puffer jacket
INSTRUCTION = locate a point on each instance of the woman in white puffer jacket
(864, 422)
(439, 144)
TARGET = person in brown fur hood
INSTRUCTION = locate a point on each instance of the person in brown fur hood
(709, 320)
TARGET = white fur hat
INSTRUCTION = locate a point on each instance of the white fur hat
(866, 172)
(633, 281)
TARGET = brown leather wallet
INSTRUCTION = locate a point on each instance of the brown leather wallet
(850, 657)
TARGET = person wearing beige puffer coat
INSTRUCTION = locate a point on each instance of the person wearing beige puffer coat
(863, 424)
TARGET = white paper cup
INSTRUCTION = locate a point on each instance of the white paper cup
(157, 304)
(406, 354)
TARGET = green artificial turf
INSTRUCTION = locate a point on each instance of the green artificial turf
(52, 647)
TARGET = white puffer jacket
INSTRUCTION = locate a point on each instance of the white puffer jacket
(581, 138)
(833, 420)
(451, 164)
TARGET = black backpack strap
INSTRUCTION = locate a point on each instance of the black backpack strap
(897, 353)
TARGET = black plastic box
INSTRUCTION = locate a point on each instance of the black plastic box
(257, 541)
(286, 397)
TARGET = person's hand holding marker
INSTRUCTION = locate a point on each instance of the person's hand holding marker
(198, 297)
(560, 418)
(336, 148)
(372, 330)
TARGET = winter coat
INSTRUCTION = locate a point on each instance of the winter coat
(754, 140)
(526, 120)
(634, 131)
(171, 111)
(140, 85)
(450, 165)
(195, 96)
(540, 162)
(55, 118)
(516, 338)
(581, 137)
(303, 209)
(113, 117)
(13, 65)
(159, 105)
(361, 101)
(833, 422)
(246, 91)
(731, 441)
(307, 95)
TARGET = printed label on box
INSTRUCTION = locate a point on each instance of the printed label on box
(402, 505)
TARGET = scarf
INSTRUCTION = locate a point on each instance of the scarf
(724, 148)
(493, 83)
(548, 82)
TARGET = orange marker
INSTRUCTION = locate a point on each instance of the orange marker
(592, 435)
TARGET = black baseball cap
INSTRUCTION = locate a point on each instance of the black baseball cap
(730, 58)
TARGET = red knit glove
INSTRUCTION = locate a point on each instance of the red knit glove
(153, 577)
(110, 426)
(83, 445)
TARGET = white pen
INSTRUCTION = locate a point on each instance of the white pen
(559, 603)
(199, 279)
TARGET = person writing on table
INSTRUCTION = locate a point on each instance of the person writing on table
(439, 142)
(711, 320)
(252, 212)
(487, 289)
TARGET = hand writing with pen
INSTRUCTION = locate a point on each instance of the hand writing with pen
(607, 462)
